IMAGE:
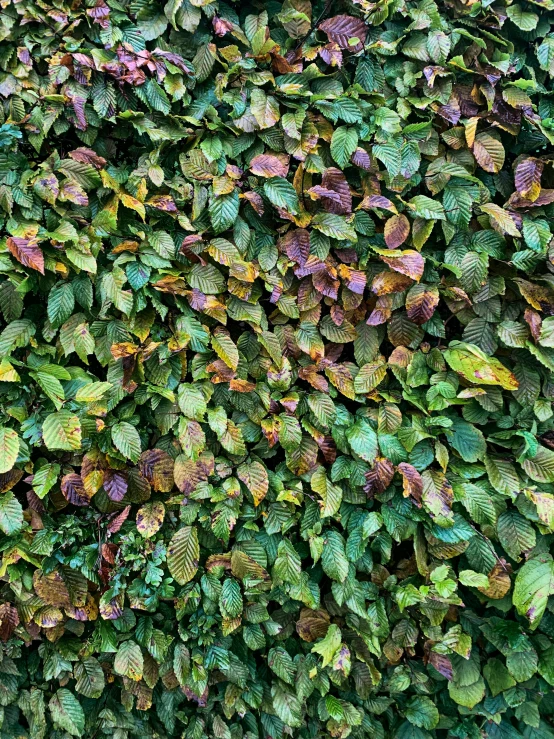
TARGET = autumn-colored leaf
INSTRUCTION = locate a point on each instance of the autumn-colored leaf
(397, 230)
(27, 252)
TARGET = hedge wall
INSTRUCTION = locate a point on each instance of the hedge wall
(276, 356)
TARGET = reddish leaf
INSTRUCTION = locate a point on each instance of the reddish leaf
(534, 321)
(378, 201)
(379, 477)
(334, 180)
(442, 664)
(118, 520)
(296, 245)
(412, 482)
(528, 178)
(164, 203)
(115, 484)
(355, 279)
(9, 620)
(270, 165)
(397, 230)
(156, 466)
(221, 26)
(26, 252)
(346, 31)
(360, 158)
(331, 54)
(410, 263)
(421, 302)
(88, 156)
(74, 491)
(546, 197)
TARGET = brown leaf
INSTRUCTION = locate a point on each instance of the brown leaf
(156, 466)
(88, 156)
(442, 664)
(360, 158)
(385, 283)
(489, 152)
(255, 201)
(343, 28)
(412, 482)
(421, 302)
(333, 179)
(115, 484)
(528, 178)
(534, 321)
(312, 625)
(296, 245)
(397, 230)
(51, 588)
(499, 581)
(9, 620)
(9, 479)
(118, 519)
(270, 165)
(410, 263)
(379, 477)
(311, 375)
(189, 473)
(74, 490)
(325, 283)
(437, 494)
(27, 252)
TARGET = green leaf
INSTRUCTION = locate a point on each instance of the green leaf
(327, 646)
(11, 514)
(183, 555)
(281, 194)
(67, 713)
(540, 468)
(343, 144)
(89, 677)
(363, 440)
(524, 20)
(9, 448)
(333, 559)
(61, 303)
(223, 211)
(127, 440)
(129, 660)
(422, 712)
(516, 534)
(534, 584)
(62, 430)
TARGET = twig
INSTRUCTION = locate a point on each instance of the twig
(325, 10)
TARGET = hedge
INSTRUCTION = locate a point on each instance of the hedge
(276, 356)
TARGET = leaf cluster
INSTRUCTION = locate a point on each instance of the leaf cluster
(276, 369)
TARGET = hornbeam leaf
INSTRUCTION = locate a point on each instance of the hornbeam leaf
(62, 430)
(183, 554)
(67, 713)
(9, 448)
(127, 440)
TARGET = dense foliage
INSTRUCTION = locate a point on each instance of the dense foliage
(276, 356)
